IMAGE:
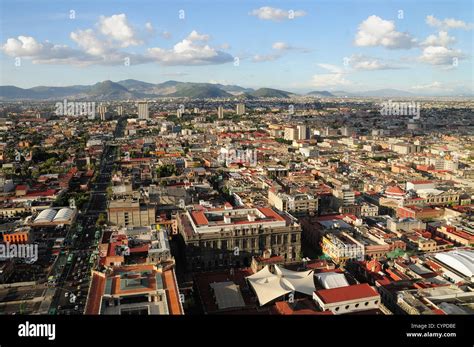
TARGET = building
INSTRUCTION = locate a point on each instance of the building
(220, 112)
(298, 204)
(456, 265)
(456, 235)
(344, 196)
(346, 131)
(347, 299)
(420, 184)
(134, 290)
(143, 110)
(342, 247)
(120, 110)
(54, 216)
(102, 111)
(130, 212)
(240, 109)
(291, 134)
(406, 148)
(416, 212)
(303, 132)
(222, 237)
(405, 224)
(369, 210)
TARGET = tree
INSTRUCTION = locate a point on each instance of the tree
(166, 170)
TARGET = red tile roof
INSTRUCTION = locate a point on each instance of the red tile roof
(394, 190)
(199, 218)
(269, 213)
(96, 292)
(354, 292)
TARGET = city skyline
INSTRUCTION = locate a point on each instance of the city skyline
(422, 48)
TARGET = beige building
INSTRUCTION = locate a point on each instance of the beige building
(293, 203)
(291, 134)
(240, 109)
(130, 212)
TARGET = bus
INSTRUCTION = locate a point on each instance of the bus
(70, 258)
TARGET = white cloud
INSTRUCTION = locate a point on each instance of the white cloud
(190, 51)
(448, 23)
(93, 50)
(362, 62)
(335, 77)
(281, 46)
(276, 14)
(332, 68)
(195, 36)
(87, 40)
(375, 31)
(149, 27)
(329, 81)
(118, 28)
(24, 46)
(260, 58)
(165, 34)
(443, 39)
(46, 52)
(438, 55)
(429, 86)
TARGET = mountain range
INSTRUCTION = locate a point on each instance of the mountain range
(134, 89)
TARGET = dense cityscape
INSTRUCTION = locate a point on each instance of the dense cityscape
(185, 165)
(271, 206)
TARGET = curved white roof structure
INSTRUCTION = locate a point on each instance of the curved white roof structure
(269, 286)
(331, 280)
(301, 281)
(460, 260)
(63, 215)
(265, 272)
(45, 216)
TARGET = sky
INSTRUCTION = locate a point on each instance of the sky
(418, 46)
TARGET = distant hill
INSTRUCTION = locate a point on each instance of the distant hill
(381, 93)
(40, 93)
(386, 93)
(136, 86)
(135, 89)
(12, 92)
(322, 93)
(270, 93)
(198, 91)
(109, 90)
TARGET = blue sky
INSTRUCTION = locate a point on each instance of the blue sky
(292, 45)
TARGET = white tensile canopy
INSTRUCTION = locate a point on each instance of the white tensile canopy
(264, 273)
(301, 281)
(269, 286)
